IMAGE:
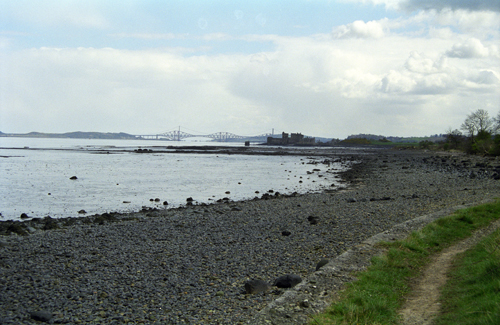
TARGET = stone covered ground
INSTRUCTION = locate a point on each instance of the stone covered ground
(189, 265)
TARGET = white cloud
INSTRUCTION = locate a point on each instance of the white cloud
(404, 76)
(419, 63)
(360, 29)
(443, 33)
(484, 23)
(486, 77)
(390, 4)
(472, 48)
(317, 86)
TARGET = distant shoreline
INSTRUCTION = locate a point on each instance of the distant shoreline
(73, 135)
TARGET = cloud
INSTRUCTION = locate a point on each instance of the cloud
(360, 29)
(486, 77)
(474, 5)
(483, 23)
(472, 48)
(404, 76)
(311, 85)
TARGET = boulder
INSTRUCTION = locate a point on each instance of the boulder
(287, 281)
(41, 316)
(256, 286)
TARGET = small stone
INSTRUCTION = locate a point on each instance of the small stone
(321, 263)
(219, 293)
(286, 233)
(24, 216)
(73, 177)
(82, 212)
(313, 220)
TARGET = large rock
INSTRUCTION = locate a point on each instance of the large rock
(287, 281)
(42, 316)
(256, 286)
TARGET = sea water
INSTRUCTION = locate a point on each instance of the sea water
(35, 176)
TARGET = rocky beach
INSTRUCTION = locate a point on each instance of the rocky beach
(189, 265)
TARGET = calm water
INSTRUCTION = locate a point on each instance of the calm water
(36, 180)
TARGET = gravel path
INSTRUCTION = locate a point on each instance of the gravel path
(189, 265)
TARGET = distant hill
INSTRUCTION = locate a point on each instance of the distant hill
(74, 135)
(433, 138)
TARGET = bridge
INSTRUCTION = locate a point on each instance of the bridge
(178, 135)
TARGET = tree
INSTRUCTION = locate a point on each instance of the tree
(478, 122)
(454, 138)
(468, 126)
(483, 121)
(496, 124)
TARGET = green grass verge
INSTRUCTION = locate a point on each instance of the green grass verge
(472, 293)
(379, 292)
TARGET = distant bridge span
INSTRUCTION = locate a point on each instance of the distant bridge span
(178, 135)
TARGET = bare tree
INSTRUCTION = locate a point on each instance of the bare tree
(478, 122)
(482, 120)
(469, 126)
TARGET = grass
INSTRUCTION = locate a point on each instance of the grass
(379, 292)
(472, 294)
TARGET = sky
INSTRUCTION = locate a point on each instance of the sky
(324, 68)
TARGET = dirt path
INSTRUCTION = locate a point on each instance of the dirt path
(423, 305)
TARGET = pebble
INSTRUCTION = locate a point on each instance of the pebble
(190, 265)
